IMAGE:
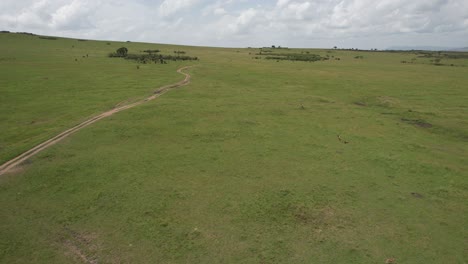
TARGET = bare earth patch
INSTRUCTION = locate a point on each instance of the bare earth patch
(81, 246)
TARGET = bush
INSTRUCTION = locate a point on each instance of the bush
(122, 52)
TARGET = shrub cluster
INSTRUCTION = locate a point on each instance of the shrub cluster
(146, 58)
(296, 57)
(150, 57)
(438, 54)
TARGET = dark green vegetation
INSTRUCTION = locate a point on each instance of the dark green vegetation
(151, 56)
(121, 52)
(271, 54)
(247, 164)
(438, 58)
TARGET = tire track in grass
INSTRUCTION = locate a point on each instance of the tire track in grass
(7, 166)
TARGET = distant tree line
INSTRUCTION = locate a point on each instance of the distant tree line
(22, 33)
(48, 38)
(26, 33)
(278, 47)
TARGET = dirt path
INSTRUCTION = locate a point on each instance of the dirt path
(4, 168)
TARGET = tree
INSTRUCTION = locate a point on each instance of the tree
(122, 52)
(335, 47)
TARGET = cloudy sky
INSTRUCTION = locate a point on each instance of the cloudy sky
(241, 23)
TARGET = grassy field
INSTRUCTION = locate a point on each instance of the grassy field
(244, 165)
(49, 85)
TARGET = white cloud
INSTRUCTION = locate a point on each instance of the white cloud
(72, 16)
(282, 3)
(219, 11)
(246, 23)
(296, 10)
(169, 7)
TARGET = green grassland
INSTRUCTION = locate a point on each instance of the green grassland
(243, 165)
(45, 90)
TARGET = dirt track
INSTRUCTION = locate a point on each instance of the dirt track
(4, 168)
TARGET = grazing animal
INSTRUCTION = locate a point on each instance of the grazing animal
(342, 140)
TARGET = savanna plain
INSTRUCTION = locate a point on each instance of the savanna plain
(270, 155)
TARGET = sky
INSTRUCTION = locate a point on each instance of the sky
(363, 24)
